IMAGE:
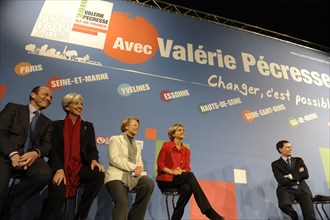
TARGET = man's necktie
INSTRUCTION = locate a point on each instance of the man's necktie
(288, 161)
(30, 137)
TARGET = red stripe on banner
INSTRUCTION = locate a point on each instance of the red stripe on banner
(3, 88)
(89, 28)
(84, 31)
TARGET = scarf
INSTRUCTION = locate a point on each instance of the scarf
(130, 181)
(72, 161)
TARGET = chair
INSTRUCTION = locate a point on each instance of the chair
(321, 200)
(170, 192)
(15, 178)
(76, 197)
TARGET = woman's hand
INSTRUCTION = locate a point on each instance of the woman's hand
(58, 177)
(138, 170)
(94, 164)
(177, 171)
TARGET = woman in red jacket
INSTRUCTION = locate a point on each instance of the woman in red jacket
(173, 167)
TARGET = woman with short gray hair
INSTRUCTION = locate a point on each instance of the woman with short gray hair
(74, 161)
(125, 173)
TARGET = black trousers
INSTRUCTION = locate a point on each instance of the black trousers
(119, 195)
(187, 185)
(305, 201)
(92, 180)
(32, 181)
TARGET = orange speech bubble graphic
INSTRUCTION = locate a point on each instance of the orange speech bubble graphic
(246, 115)
(23, 68)
(130, 39)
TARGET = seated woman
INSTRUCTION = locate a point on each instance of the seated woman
(74, 161)
(173, 167)
(125, 173)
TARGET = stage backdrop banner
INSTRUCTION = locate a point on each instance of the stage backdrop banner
(236, 92)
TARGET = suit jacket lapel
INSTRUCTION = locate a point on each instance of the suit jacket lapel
(26, 118)
(293, 160)
(39, 126)
(83, 132)
(122, 139)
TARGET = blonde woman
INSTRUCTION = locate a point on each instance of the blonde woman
(173, 167)
(126, 173)
(74, 161)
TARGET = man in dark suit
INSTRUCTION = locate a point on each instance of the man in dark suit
(21, 155)
(291, 173)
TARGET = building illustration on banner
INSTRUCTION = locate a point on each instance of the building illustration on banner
(70, 55)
